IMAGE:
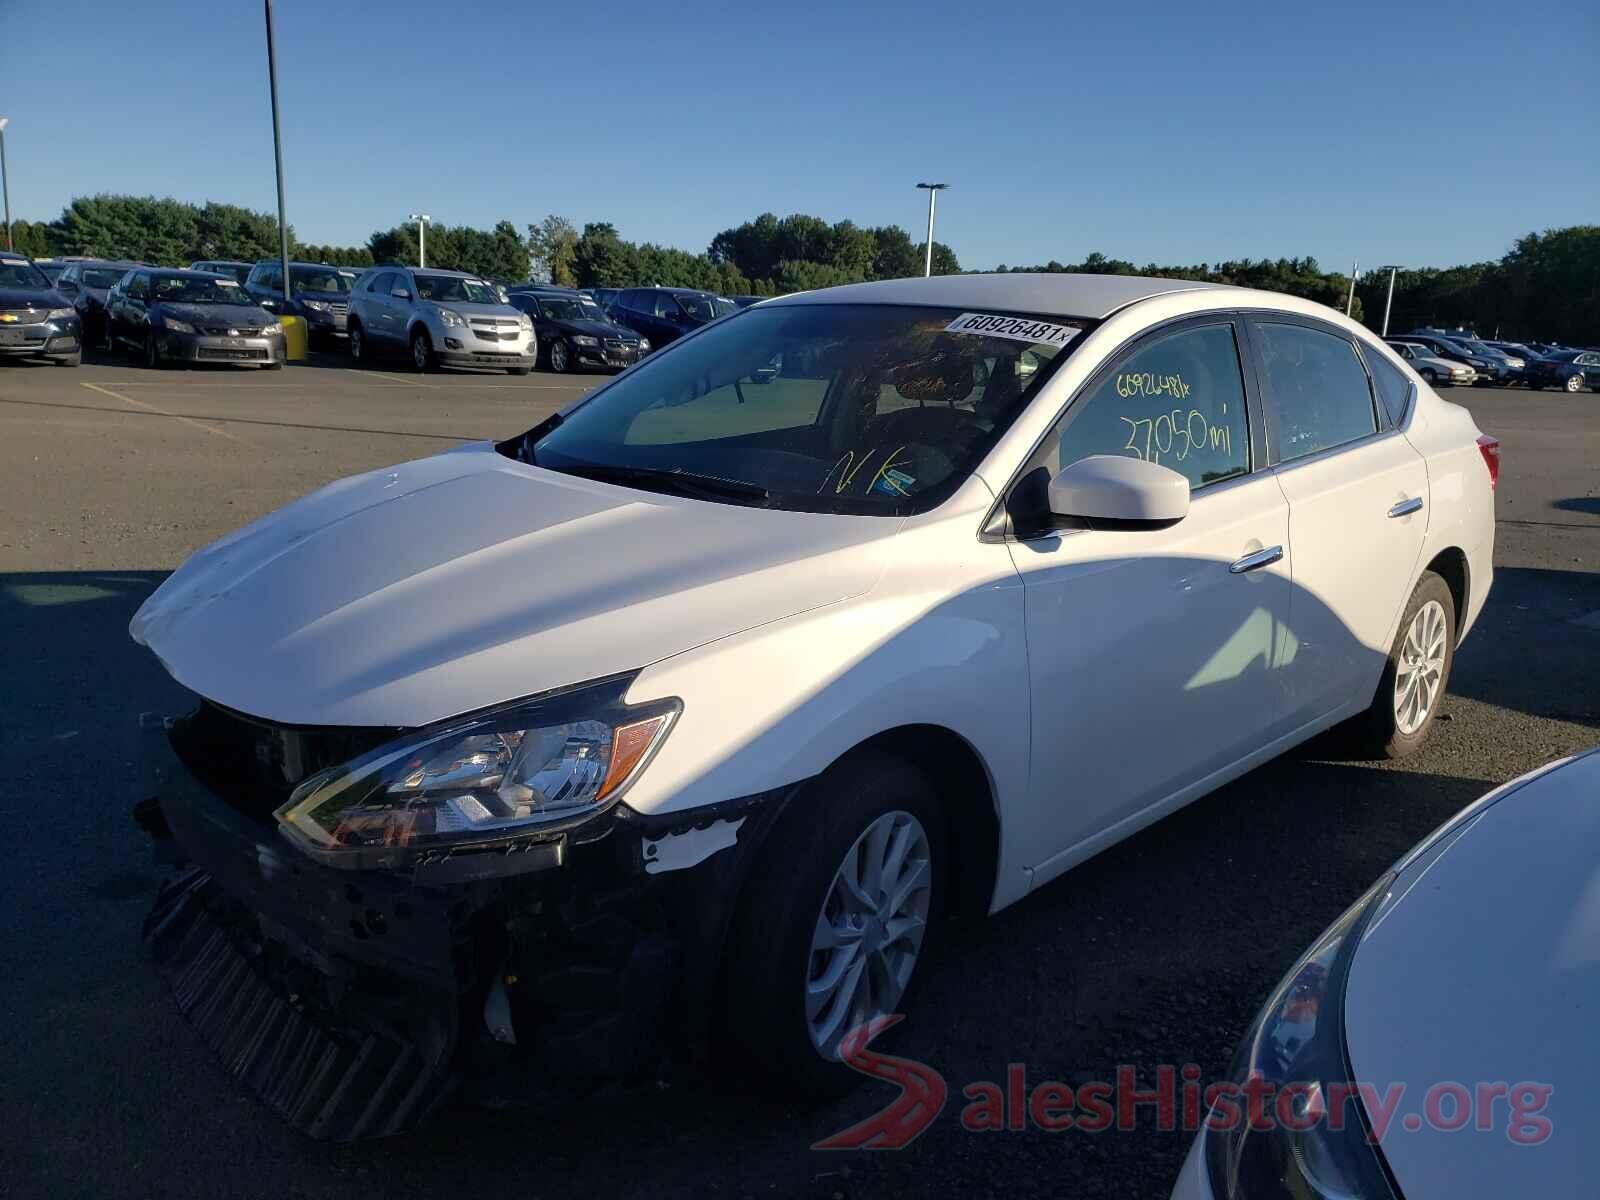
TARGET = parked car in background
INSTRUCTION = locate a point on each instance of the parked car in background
(51, 268)
(438, 318)
(185, 317)
(1449, 348)
(320, 296)
(1508, 367)
(1437, 371)
(1440, 1034)
(1570, 370)
(35, 320)
(605, 297)
(573, 332)
(85, 283)
(239, 272)
(688, 712)
(665, 314)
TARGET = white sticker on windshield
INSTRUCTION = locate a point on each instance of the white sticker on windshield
(1016, 329)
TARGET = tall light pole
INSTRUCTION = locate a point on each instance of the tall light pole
(422, 220)
(1388, 303)
(277, 154)
(933, 190)
(5, 181)
(1350, 300)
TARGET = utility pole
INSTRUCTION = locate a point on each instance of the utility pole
(933, 190)
(277, 153)
(5, 180)
(1389, 303)
(422, 220)
(1350, 301)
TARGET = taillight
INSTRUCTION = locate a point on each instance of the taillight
(1490, 449)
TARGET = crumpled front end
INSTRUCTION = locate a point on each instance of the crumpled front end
(357, 1002)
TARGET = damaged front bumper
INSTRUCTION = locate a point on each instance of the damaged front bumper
(355, 1003)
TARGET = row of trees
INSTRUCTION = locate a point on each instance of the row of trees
(1546, 287)
(764, 257)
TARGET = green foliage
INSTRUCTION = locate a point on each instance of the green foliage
(35, 239)
(552, 247)
(779, 252)
(499, 253)
(337, 256)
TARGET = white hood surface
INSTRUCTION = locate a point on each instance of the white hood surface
(1482, 968)
(408, 595)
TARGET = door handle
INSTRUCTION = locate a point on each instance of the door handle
(1252, 562)
(1406, 507)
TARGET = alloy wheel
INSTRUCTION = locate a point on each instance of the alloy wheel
(1421, 668)
(870, 930)
(558, 356)
(1574, 383)
(355, 342)
(419, 351)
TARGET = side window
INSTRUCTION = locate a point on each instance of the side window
(139, 286)
(1394, 389)
(381, 283)
(1176, 400)
(1317, 394)
(667, 307)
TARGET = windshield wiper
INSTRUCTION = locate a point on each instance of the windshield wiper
(684, 483)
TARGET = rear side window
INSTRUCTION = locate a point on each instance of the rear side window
(1317, 392)
(1394, 389)
(1176, 400)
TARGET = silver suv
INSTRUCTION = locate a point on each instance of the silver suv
(438, 318)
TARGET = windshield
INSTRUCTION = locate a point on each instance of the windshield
(196, 289)
(319, 279)
(16, 273)
(824, 408)
(51, 271)
(102, 277)
(559, 308)
(453, 287)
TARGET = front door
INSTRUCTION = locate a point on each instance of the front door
(1357, 493)
(1153, 652)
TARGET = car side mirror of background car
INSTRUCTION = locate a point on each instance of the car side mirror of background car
(1111, 487)
(401, 293)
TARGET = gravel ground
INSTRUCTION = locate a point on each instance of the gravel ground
(1159, 951)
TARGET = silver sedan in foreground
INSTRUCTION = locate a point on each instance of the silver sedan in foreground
(1439, 1039)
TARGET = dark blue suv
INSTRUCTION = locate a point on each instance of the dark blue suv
(665, 314)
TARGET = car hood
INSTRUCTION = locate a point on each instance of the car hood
(412, 594)
(1440, 364)
(32, 298)
(1482, 967)
(218, 314)
(594, 329)
(468, 309)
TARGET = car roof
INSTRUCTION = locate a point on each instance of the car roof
(439, 271)
(183, 271)
(1063, 294)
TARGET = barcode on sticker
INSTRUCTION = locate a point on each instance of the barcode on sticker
(1017, 329)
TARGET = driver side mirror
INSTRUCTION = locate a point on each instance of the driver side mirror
(401, 293)
(1111, 487)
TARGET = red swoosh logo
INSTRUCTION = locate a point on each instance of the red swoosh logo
(903, 1119)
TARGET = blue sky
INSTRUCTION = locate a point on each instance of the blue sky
(1423, 134)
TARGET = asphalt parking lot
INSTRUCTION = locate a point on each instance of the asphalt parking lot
(1157, 952)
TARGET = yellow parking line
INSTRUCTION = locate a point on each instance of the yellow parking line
(105, 391)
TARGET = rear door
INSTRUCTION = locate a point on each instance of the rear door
(1358, 496)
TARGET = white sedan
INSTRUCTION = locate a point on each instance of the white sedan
(1438, 1041)
(854, 607)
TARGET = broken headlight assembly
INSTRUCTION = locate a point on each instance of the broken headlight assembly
(479, 782)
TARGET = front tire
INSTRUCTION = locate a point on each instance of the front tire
(836, 920)
(152, 353)
(358, 348)
(1574, 384)
(1417, 674)
(560, 358)
(422, 357)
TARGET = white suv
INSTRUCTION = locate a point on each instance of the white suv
(685, 714)
(438, 318)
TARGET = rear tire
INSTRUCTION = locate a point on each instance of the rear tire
(1575, 384)
(358, 349)
(422, 356)
(152, 353)
(838, 920)
(1415, 678)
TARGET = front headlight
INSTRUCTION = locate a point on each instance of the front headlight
(320, 306)
(526, 323)
(57, 314)
(275, 327)
(478, 783)
(173, 325)
(1286, 1144)
(449, 318)
(583, 340)
(644, 344)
